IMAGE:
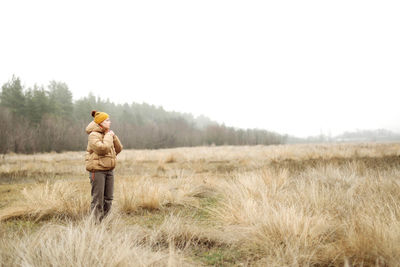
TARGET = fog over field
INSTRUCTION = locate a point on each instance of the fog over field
(298, 68)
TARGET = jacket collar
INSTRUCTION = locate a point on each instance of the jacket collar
(94, 127)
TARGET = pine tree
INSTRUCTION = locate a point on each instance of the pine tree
(60, 98)
(12, 96)
(37, 104)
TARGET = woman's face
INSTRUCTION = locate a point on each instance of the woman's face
(106, 124)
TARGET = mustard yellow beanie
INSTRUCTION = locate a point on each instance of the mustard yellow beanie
(99, 117)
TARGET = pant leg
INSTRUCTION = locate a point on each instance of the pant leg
(108, 191)
(97, 180)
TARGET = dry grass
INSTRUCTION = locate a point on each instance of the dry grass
(60, 199)
(111, 243)
(69, 200)
(273, 152)
(294, 205)
(148, 193)
(320, 217)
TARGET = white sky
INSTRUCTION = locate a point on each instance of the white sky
(297, 67)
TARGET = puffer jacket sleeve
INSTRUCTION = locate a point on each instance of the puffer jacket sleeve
(100, 145)
(117, 145)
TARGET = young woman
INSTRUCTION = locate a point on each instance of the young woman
(102, 150)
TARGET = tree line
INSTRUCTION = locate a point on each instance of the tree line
(45, 118)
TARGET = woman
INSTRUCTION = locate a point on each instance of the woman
(102, 149)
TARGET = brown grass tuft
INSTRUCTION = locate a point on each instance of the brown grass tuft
(150, 194)
(85, 243)
(58, 199)
(171, 158)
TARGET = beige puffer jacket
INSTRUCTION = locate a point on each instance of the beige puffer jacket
(102, 149)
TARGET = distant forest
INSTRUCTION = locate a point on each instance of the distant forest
(45, 118)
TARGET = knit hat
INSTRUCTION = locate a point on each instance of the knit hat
(99, 117)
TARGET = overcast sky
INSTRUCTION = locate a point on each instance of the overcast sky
(296, 67)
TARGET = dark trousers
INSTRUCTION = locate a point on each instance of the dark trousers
(102, 192)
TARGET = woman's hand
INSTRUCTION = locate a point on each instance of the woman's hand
(111, 132)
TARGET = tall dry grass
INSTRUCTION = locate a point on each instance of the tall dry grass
(301, 205)
(319, 217)
(70, 164)
(264, 153)
(150, 193)
(86, 243)
(59, 199)
(39, 167)
(68, 200)
(111, 243)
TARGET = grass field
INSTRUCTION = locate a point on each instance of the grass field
(287, 205)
